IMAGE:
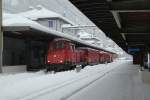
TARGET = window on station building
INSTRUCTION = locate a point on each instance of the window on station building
(51, 23)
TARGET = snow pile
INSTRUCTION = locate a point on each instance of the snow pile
(40, 86)
(41, 12)
(14, 69)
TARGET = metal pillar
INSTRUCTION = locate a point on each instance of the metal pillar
(148, 59)
(1, 38)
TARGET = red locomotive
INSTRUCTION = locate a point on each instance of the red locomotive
(62, 55)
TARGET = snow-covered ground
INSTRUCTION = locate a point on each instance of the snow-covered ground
(59, 86)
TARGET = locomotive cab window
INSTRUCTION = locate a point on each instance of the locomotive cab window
(59, 45)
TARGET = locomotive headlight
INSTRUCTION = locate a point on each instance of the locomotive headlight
(61, 61)
(48, 61)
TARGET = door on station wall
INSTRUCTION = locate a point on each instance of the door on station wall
(36, 52)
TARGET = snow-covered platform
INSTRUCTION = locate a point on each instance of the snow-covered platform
(126, 82)
(119, 80)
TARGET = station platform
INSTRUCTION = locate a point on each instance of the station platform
(126, 82)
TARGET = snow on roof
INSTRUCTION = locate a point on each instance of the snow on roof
(41, 12)
(110, 48)
(87, 48)
(90, 41)
(61, 39)
(66, 26)
(11, 20)
(83, 34)
(87, 36)
(71, 26)
(16, 20)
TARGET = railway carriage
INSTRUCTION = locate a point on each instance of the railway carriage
(101, 57)
(107, 57)
(89, 56)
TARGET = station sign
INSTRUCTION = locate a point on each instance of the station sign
(133, 49)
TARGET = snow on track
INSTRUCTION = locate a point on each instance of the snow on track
(64, 92)
(55, 86)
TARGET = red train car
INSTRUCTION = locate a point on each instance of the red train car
(89, 56)
(111, 57)
(101, 57)
(107, 57)
(62, 55)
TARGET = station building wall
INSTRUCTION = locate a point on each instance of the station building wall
(14, 51)
(30, 53)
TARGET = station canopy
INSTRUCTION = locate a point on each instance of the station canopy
(19, 26)
(127, 22)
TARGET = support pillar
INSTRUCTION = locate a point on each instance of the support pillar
(1, 38)
(148, 59)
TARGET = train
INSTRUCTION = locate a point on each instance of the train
(62, 54)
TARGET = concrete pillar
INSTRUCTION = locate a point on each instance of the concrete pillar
(1, 38)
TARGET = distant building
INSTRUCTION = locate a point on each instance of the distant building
(46, 17)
